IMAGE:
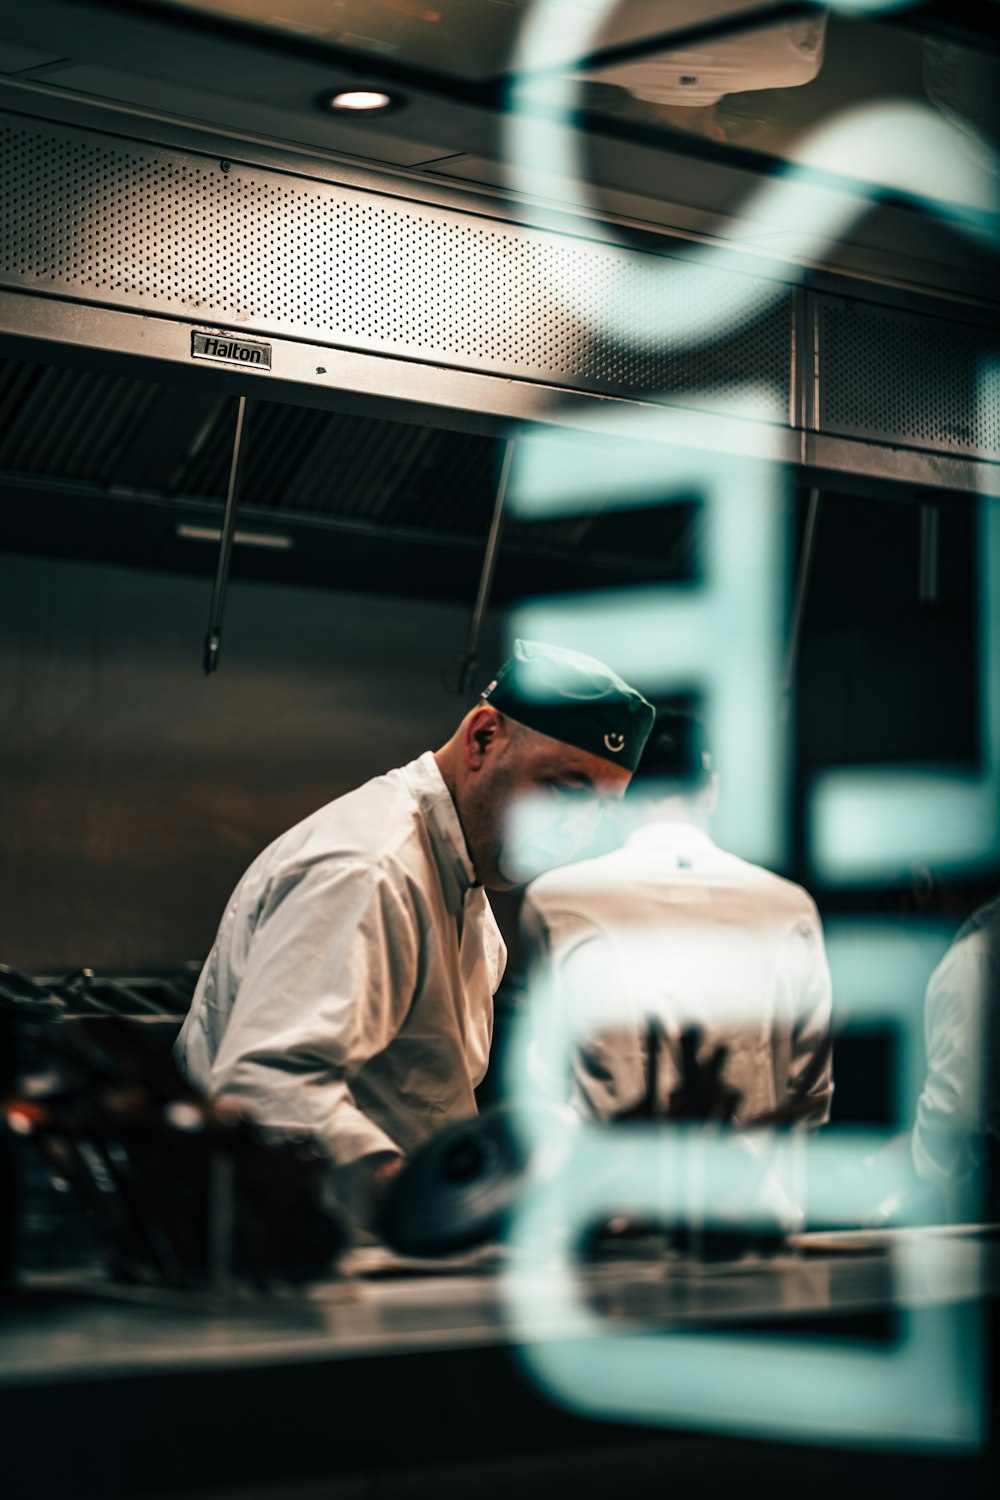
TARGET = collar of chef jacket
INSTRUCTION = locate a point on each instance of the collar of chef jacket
(671, 838)
(450, 849)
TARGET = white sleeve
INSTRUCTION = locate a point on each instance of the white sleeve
(330, 976)
(950, 1107)
(808, 974)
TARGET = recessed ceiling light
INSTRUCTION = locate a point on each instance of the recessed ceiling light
(362, 101)
(275, 540)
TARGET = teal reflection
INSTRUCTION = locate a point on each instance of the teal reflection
(924, 1394)
(864, 154)
(722, 639)
(880, 971)
(649, 457)
(544, 830)
(924, 1390)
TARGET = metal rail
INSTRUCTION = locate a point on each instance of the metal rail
(213, 639)
(801, 589)
(470, 656)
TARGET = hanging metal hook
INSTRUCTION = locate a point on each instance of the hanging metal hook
(213, 640)
(801, 590)
(466, 663)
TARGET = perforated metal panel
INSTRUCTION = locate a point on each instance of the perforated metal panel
(901, 378)
(137, 226)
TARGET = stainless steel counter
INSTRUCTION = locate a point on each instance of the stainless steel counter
(66, 1328)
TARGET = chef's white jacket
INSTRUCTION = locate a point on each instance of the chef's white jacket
(671, 927)
(960, 1099)
(350, 988)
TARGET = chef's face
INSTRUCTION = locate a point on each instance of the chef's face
(530, 802)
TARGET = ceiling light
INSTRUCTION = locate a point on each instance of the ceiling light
(362, 101)
(273, 539)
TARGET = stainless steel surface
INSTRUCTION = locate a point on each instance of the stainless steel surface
(131, 786)
(36, 98)
(125, 64)
(219, 238)
(451, 302)
(890, 376)
(114, 342)
(239, 248)
(839, 462)
(383, 1305)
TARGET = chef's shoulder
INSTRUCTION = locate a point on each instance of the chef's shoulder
(779, 897)
(578, 887)
(971, 964)
(370, 836)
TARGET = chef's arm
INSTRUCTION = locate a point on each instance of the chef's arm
(810, 1073)
(330, 973)
(950, 1107)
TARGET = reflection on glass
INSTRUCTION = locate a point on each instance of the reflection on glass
(685, 88)
(766, 88)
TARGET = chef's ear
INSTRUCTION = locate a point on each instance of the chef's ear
(484, 729)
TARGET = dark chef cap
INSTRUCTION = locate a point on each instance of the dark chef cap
(573, 698)
(677, 750)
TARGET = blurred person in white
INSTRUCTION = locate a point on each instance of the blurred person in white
(671, 935)
(349, 992)
(958, 1112)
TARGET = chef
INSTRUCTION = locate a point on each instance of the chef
(671, 934)
(350, 989)
(958, 1113)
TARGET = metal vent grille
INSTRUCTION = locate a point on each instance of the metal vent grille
(141, 227)
(915, 381)
(360, 468)
(65, 424)
(72, 442)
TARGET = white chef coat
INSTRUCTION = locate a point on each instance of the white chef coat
(959, 1102)
(671, 927)
(350, 988)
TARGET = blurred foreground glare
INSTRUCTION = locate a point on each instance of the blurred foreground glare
(719, 641)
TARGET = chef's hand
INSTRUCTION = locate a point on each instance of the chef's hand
(381, 1170)
(360, 1187)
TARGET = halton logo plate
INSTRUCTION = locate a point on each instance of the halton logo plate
(231, 351)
